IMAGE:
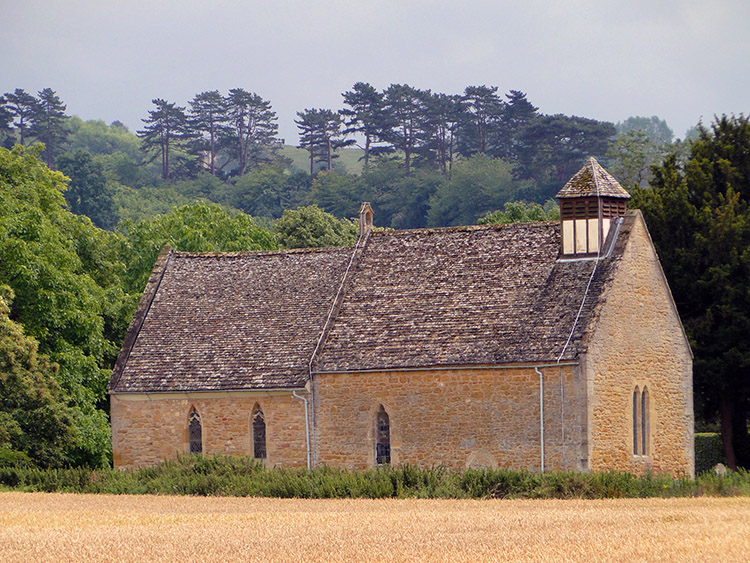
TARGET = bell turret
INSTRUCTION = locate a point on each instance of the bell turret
(589, 203)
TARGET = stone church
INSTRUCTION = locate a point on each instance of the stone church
(543, 346)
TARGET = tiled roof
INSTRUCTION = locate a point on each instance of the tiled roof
(419, 298)
(232, 321)
(462, 296)
(592, 180)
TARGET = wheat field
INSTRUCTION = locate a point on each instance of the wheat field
(67, 527)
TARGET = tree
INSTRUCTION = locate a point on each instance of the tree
(200, 227)
(6, 119)
(265, 191)
(478, 186)
(699, 219)
(100, 139)
(36, 425)
(23, 107)
(310, 226)
(522, 212)
(631, 157)
(166, 130)
(553, 148)
(405, 106)
(49, 124)
(336, 193)
(518, 114)
(654, 127)
(66, 277)
(444, 117)
(254, 128)
(208, 119)
(366, 116)
(87, 192)
(484, 109)
(321, 135)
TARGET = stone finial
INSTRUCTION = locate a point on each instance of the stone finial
(365, 218)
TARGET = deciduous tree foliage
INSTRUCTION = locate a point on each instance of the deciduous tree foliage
(310, 226)
(65, 274)
(87, 193)
(200, 227)
(36, 425)
(522, 212)
(699, 218)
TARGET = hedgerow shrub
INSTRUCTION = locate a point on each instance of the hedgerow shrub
(708, 451)
(240, 476)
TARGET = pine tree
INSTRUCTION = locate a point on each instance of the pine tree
(49, 125)
(405, 106)
(22, 107)
(166, 130)
(484, 108)
(254, 129)
(209, 119)
(366, 116)
(321, 135)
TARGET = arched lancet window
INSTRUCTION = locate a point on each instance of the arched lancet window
(640, 421)
(636, 418)
(259, 433)
(382, 437)
(644, 421)
(195, 432)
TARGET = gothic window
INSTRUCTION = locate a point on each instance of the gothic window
(259, 433)
(641, 428)
(636, 425)
(644, 422)
(382, 437)
(195, 432)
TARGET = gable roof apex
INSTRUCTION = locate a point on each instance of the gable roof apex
(592, 180)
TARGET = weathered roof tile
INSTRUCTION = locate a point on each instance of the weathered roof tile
(418, 298)
(592, 180)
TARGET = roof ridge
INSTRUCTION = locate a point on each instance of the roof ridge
(242, 253)
(463, 228)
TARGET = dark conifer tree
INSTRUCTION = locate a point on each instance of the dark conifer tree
(49, 125)
(321, 135)
(484, 108)
(444, 116)
(406, 108)
(365, 115)
(208, 119)
(253, 126)
(22, 107)
(166, 130)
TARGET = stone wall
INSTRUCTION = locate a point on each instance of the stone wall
(457, 418)
(149, 428)
(639, 342)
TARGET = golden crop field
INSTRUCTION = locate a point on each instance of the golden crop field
(67, 527)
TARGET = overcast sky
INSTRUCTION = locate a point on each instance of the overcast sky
(607, 60)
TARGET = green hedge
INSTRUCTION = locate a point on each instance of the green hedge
(708, 451)
(238, 476)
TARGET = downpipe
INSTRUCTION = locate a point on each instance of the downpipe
(541, 414)
(307, 425)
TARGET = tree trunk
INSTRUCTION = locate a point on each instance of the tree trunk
(726, 414)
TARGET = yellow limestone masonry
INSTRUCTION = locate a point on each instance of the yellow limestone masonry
(639, 342)
(453, 417)
(149, 428)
